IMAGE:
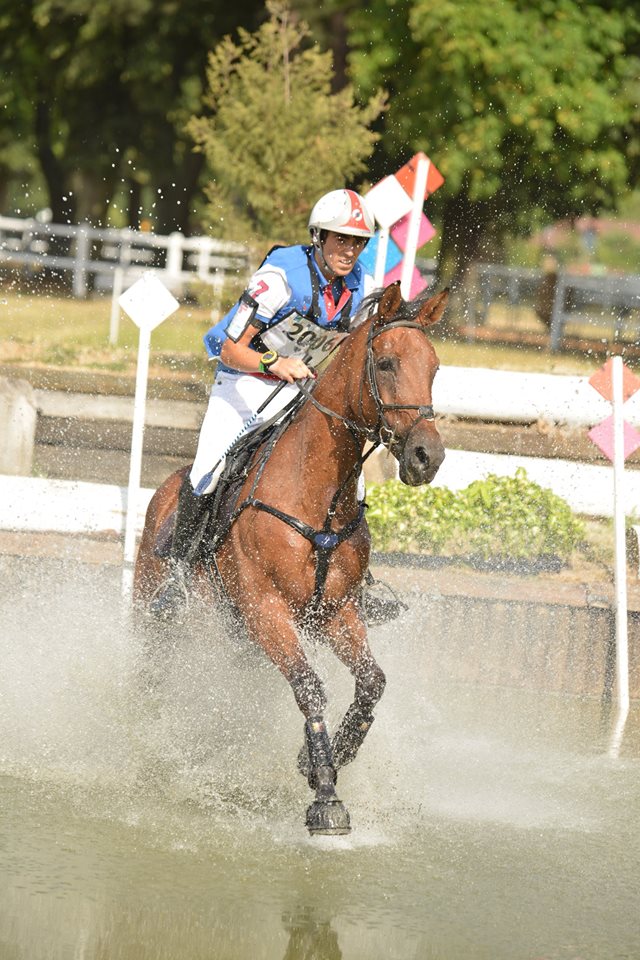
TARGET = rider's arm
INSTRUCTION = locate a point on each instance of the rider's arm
(268, 292)
(241, 356)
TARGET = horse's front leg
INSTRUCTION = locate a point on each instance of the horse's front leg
(347, 635)
(271, 625)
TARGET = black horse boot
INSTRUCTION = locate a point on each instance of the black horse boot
(327, 814)
(350, 735)
(379, 602)
(171, 597)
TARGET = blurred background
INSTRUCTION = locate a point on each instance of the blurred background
(230, 120)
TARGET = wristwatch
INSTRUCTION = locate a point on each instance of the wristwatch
(268, 359)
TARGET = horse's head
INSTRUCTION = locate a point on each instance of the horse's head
(401, 365)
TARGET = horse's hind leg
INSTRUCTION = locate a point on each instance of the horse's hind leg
(271, 626)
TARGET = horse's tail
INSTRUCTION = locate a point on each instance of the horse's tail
(150, 566)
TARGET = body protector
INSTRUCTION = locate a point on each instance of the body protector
(285, 301)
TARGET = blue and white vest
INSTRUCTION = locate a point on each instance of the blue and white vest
(301, 327)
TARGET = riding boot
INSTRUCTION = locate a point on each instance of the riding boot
(379, 602)
(172, 596)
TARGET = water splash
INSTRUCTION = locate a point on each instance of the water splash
(208, 726)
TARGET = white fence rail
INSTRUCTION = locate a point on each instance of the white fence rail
(32, 504)
(91, 256)
(28, 503)
(507, 396)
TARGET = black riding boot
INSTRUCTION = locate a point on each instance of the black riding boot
(171, 597)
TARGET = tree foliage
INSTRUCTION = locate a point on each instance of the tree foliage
(531, 110)
(103, 89)
(527, 109)
(276, 137)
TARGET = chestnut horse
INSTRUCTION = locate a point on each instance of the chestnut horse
(298, 548)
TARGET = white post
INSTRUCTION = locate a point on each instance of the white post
(204, 257)
(409, 261)
(135, 464)
(148, 303)
(174, 255)
(622, 646)
(381, 256)
(80, 263)
(114, 320)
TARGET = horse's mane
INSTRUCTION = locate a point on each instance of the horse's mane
(408, 309)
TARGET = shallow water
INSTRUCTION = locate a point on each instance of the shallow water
(167, 820)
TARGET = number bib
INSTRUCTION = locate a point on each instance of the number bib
(296, 336)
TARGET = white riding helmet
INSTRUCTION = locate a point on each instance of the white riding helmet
(343, 211)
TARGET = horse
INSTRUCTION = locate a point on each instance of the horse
(297, 549)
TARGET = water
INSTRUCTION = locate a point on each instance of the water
(167, 821)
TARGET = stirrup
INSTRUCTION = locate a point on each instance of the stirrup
(379, 602)
(171, 599)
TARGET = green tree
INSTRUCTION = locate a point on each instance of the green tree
(526, 108)
(103, 89)
(275, 137)
(17, 153)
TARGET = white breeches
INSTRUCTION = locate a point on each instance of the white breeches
(231, 413)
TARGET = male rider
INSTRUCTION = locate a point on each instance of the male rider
(297, 307)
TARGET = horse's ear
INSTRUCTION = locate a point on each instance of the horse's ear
(433, 309)
(389, 302)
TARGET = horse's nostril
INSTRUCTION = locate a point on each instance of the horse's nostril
(421, 455)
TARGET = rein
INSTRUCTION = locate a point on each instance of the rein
(425, 411)
(326, 540)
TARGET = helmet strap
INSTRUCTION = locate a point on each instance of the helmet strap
(330, 274)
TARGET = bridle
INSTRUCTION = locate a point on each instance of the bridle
(382, 433)
(425, 411)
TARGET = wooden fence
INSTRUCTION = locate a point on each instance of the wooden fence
(93, 258)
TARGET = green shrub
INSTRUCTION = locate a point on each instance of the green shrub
(501, 518)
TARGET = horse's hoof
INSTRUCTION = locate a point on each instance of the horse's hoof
(328, 818)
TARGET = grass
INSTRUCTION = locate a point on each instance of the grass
(60, 331)
(37, 327)
(456, 351)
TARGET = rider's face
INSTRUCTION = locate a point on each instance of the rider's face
(341, 252)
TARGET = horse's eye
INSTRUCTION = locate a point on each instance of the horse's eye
(385, 363)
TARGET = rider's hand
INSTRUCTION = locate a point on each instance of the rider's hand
(291, 369)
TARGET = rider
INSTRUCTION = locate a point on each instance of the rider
(297, 307)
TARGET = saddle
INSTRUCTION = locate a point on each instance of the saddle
(221, 510)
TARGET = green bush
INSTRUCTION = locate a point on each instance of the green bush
(500, 518)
